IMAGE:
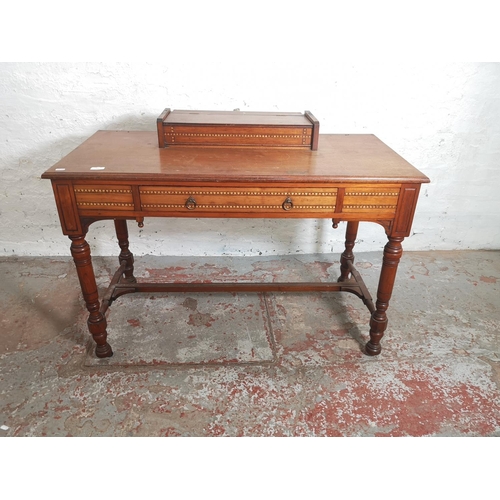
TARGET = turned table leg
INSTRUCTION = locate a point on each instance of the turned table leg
(125, 254)
(378, 322)
(96, 322)
(347, 255)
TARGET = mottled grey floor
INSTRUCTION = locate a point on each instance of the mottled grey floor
(276, 364)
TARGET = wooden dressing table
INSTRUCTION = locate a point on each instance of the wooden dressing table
(124, 176)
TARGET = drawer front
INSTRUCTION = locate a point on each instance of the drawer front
(103, 197)
(369, 200)
(238, 200)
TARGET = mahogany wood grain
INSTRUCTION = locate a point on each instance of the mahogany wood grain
(136, 155)
(124, 175)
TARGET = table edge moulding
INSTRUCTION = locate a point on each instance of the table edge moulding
(124, 175)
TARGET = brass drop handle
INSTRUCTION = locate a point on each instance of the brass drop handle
(190, 203)
(287, 204)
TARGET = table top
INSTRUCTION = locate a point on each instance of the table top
(131, 155)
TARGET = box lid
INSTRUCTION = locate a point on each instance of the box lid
(249, 118)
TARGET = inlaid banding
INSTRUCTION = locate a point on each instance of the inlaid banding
(101, 191)
(241, 193)
(239, 207)
(370, 207)
(258, 136)
(104, 203)
(372, 194)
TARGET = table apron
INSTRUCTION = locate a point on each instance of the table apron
(234, 200)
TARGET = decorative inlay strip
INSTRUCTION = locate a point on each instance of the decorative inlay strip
(103, 203)
(357, 207)
(332, 207)
(242, 193)
(127, 191)
(191, 134)
(232, 207)
(372, 194)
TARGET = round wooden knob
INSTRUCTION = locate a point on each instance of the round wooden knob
(287, 204)
(190, 203)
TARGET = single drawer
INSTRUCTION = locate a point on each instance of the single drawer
(103, 197)
(238, 200)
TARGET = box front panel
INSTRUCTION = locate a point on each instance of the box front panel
(222, 135)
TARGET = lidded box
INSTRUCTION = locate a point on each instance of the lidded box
(237, 128)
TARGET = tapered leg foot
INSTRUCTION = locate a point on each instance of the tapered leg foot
(372, 350)
(103, 351)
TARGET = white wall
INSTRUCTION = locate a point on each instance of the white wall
(442, 118)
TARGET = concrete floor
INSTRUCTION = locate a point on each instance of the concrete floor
(249, 364)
